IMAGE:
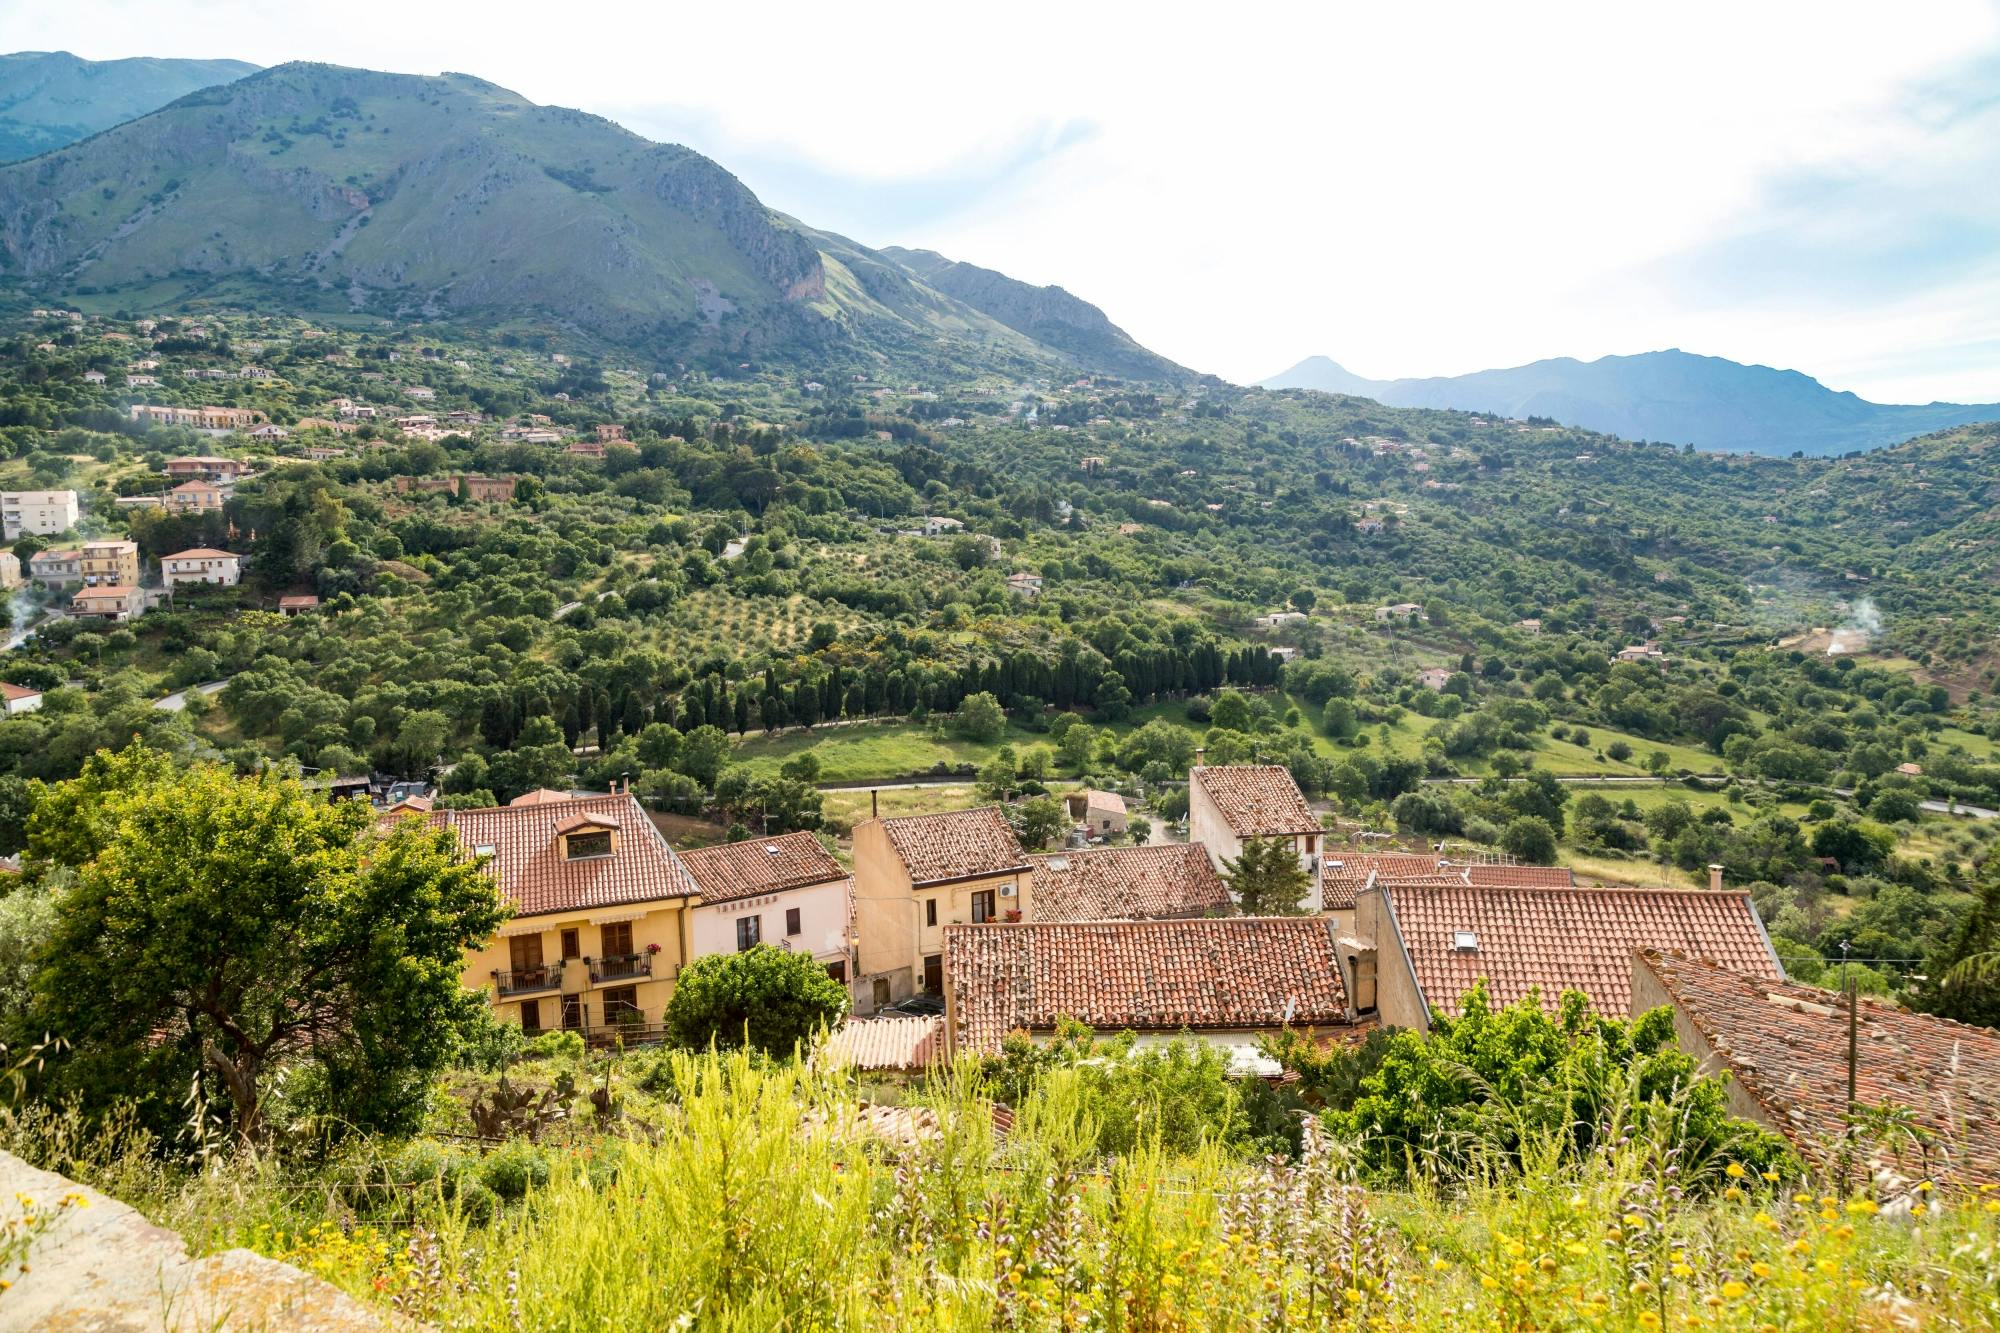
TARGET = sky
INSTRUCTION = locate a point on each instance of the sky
(1410, 189)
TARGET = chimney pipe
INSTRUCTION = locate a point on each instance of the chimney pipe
(1715, 878)
(1200, 754)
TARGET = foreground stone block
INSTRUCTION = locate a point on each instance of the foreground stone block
(97, 1265)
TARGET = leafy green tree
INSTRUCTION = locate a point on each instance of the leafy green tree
(1967, 968)
(1339, 721)
(1075, 745)
(1267, 878)
(245, 927)
(1531, 839)
(1230, 711)
(1040, 821)
(980, 717)
(772, 1000)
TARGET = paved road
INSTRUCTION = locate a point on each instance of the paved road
(178, 700)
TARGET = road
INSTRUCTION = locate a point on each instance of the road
(178, 700)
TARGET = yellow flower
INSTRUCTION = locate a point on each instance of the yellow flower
(1488, 1281)
(1771, 1176)
(1647, 1319)
(1683, 1271)
(1732, 1194)
(1634, 1220)
(1760, 1270)
(1734, 1171)
(1992, 1205)
(1732, 1290)
(1923, 1187)
(1861, 1206)
(1439, 1265)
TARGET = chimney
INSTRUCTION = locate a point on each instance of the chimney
(1200, 755)
(1715, 878)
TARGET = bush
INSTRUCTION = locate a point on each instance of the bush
(554, 1046)
(772, 1000)
(1531, 839)
(514, 1168)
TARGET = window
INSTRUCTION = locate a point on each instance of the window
(1310, 841)
(524, 952)
(1465, 941)
(792, 925)
(982, 906)
(930, 911)
(614, 938)
(749, 930)
(573, 1016)
(838, 971)
(531, 1016)
(572, 946)
(934, 974)
(621, 1006)
(579, 846)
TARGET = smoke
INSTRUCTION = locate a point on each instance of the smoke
(1860, 629)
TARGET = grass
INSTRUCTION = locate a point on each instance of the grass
(884, 751)
(757, 1196)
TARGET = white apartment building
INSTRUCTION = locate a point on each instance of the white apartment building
(43, 513)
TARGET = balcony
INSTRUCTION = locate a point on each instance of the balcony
(613, 967)
(526, 980)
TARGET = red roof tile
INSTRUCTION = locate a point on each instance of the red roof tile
(541, 796)
(736, 870)
(1565, 939)
(894, 1043)
(1340, 889)
(1538, 877)
(958, 844)
(1786, 1046)
(199, 553)
(1389, 863)
(533, 875)
(11, 691)
(1128, 884)
(1257, 800)
(1159, 976)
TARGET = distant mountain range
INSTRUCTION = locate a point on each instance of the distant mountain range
(317, 188)
(52, 98)
(1673, 395)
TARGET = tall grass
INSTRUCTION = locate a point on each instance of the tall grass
(759, 1197)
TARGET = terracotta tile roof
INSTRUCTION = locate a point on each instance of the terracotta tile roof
(736, 870)
(298, 599)
(1159, 976)
(1558, 939)
(534, 876)
(1128, 884)
(1786, 1046)
(1108, 801)
(1257, 800)
(199, 553)
(541, 796)
(583, 819)
(9, 690)
(1340, 889)
(958, 844)
(1389, 863)
(896, 1042)
(1535, 877)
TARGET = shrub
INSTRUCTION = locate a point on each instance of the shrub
(514, 1168)
(554, 1046)
(772, 1000)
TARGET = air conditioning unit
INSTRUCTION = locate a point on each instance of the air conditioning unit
(1007, 890)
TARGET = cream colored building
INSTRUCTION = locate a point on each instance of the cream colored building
(913, 877)
(602, 907)
(202, 564)
(109, 561)
(44, 513)
(786, 891)
(1238, 803)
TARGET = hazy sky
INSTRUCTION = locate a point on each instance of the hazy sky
(1410, 189)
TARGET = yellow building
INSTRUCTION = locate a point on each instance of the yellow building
(913, 877)
(110, 562)
(601, 912)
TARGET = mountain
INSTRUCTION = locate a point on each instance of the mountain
(317, 188)
(52, 98)
(1049, 315)
(1673, 395)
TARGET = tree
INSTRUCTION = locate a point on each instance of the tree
(242, 926)
(1231, 711)
(1968, 967)
(1339, 721)
(1040, 821)
(1075, 745)
(772, 1000)
(980, 717)
(1531, 839)
(1267, 878)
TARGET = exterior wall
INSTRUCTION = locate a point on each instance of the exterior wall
(10, 570)
(112, 564)
(823, 917)
(43, 513)
(1105, 822)
(892, 937)
(225, 572)
(56, 573)
(200, 500)
(29, 704)
(1647, 995)
(1207, 827)
(660, 924)
(1398, 1002)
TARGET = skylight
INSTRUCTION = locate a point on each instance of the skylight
(1465, 941)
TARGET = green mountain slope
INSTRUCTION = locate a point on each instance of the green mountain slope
(52, 98)
(317, 188)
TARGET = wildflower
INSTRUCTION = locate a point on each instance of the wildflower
(1771, 1176)
(1861, 1206)
(1647, 1319)
(1760, 1270)
(1734, 1171)
(1733, 1290)
(1992, 1205)
(1732, 1194)
(1439, 1265)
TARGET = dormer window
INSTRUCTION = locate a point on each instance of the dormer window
(583, 837)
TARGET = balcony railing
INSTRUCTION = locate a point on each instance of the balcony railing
(620, 967)
(521, 980)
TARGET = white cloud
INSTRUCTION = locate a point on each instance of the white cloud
(1411, 189)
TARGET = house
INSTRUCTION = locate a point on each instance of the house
(1785, 1048)
(1231, 805)
(938, 526)
(1102, 812)
(1128, 884)
(1641, 652)
(423, 393)
(56, 567)
(19, 698)
(96, 377)
(609, 431)
(1369, 527)
(270, 433)
(297, 604)
(470, 486)
(1401, 611)
(201, 564)
(109, 560)
(887, 1044)
(1531, 625)
(43, 513)
(601, 913)
(787, 891)
(107, 602)
(1227, 982)
(1419, 947)
(1277, 619)
(1092, 462)
(254, 373)
(1284, 653)
(210, 467)
(1910, 770)
(195, 497)
(916, 875)
(585, 448)
(1025, 585)
(1434, 678)
(320, 453)
(214, 420)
